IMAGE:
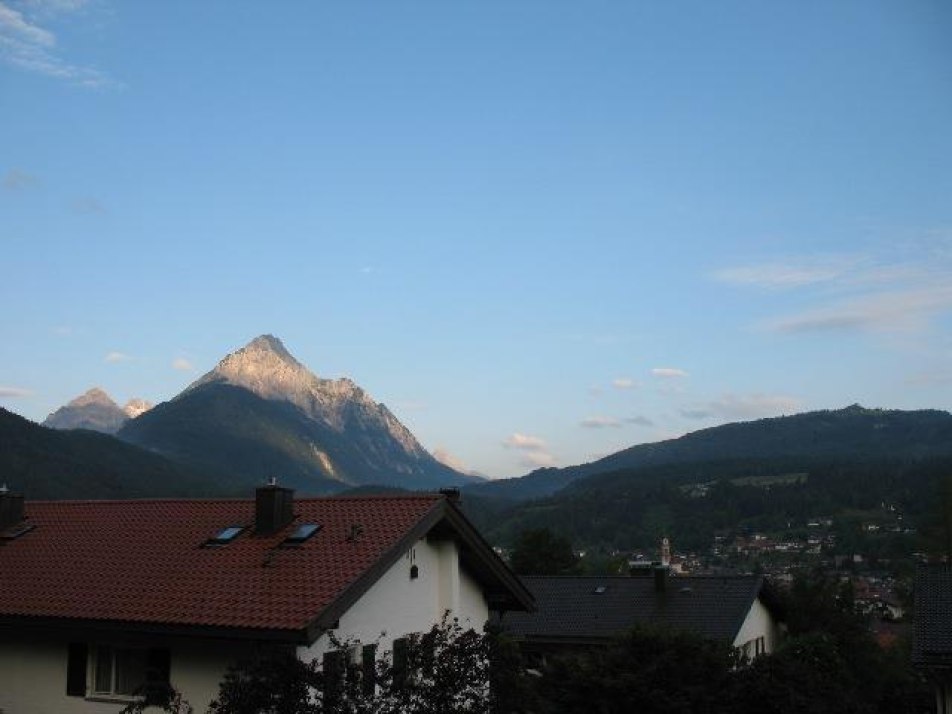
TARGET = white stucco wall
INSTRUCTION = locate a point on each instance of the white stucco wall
(33, 673)
(758, 623)
(397, 605)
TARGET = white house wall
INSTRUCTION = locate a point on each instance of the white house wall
(33, 673)
(397, 605)
(758, 623)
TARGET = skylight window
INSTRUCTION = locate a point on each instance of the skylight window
(225, 535)
(302, 533)
(16, 531)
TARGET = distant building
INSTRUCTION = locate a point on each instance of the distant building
(574, 612)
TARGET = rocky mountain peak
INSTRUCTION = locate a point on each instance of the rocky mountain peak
(96, 395)
(264, 345)
(93, 410)
(134, 407)
(266, 368)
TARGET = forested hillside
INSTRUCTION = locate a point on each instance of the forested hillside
(44, 463)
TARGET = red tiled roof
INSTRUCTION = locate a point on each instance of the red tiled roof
(143, 561)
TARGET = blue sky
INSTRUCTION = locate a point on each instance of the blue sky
(539, 232)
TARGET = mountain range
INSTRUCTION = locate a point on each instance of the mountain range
(260, 414)
(854, 433)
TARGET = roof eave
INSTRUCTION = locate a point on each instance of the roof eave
(93, 627)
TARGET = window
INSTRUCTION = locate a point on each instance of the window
(119, 670)
(16, 531)
(109, 671)
(301, 533)
(225, 535)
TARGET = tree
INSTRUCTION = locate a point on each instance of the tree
(540, 552)
(275, 683)
(649, 670)
(442, 671)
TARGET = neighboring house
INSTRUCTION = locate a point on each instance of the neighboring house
(573, 612)
(932, 630)
(99, 597)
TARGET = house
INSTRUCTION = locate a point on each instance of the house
(99, 597)
(932, 630)
(573, 611)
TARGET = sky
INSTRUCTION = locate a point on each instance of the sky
(539, 232)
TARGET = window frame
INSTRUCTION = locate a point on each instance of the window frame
(118, 657)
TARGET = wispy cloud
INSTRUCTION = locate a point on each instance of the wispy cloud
(182, 364)
(454, 462)
(14, 392)
(24, 43)
(523, 441)
(624, 383)
(669, 373)
(116, 357)
(639, 421)
(538, 459)
(18, 180)
(743, 406)
(872, 292)
(900, 310)
(600, 422)
(533, 448)
(792, 273)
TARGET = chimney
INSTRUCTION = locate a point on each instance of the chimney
(660, 578)
(274, 508)
(11, 508)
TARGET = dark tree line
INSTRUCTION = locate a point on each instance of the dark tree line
(828, 663)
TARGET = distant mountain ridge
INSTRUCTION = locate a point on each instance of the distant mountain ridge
(855, 432)
(95, 410)
(261, 413)
(44, 463)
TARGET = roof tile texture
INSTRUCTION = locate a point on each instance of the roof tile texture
(932, 631)
(146, 562)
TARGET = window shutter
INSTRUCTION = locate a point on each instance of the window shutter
(369, 664)
(158, 668)
(401, 651)
(77, 653)
(333, 678)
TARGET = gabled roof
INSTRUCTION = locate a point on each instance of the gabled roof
(596, 609)
(144, 564)
(932, 630)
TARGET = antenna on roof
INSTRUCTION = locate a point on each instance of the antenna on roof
(272, 480)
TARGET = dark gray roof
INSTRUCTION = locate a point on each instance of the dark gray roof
(592, 609)
(932, 631)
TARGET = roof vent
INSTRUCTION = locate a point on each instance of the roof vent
(274, 508)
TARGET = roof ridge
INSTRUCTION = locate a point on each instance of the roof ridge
(246, 499)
